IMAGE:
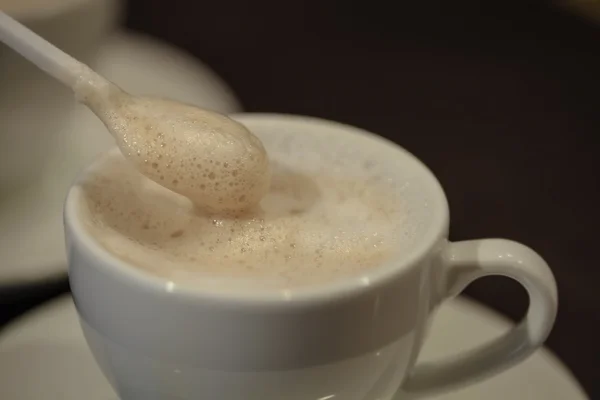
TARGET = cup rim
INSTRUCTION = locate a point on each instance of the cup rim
(344, 287)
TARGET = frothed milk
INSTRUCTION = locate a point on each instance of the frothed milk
(328, 213)
(205, 156)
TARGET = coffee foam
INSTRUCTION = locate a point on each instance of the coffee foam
(333, 210)
(211, 159)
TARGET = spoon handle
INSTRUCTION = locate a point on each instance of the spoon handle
(40, 52)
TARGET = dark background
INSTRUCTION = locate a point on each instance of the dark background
(500, 98)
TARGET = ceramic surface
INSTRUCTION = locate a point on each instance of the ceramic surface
(44, 356)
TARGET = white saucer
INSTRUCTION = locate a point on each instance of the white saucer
(44, 356)
(32, 246)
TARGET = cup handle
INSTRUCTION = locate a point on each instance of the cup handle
(461, 264)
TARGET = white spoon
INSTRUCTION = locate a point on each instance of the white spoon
(209, 158)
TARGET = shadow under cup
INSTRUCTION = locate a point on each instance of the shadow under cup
(352, 339)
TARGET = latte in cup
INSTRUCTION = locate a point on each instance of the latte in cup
(330, 212)
(323, 288)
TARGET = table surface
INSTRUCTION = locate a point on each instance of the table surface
(500, 101)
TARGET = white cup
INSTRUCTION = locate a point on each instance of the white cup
(354, 339)
(33, 107)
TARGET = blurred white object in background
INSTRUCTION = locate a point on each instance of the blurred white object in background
(33, 106)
